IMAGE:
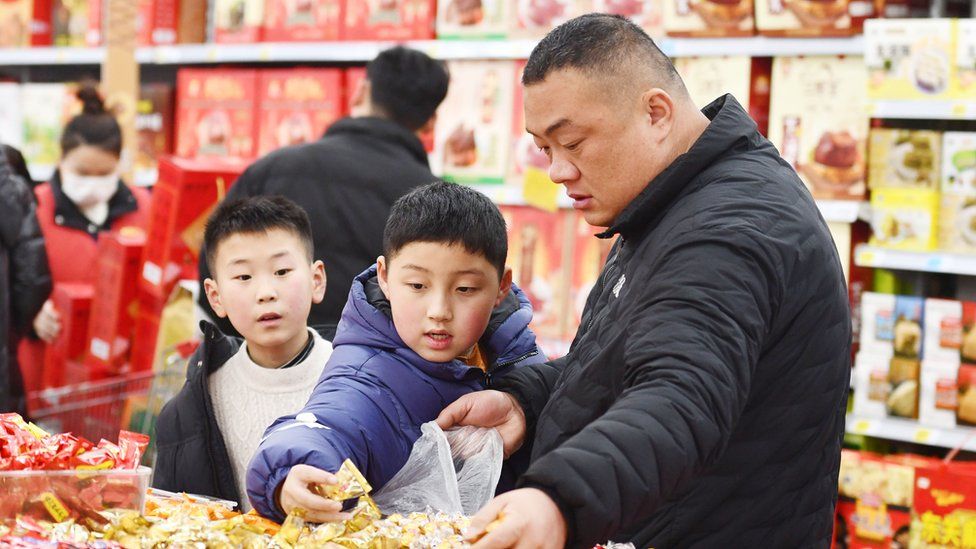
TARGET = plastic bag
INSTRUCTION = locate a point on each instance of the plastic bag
(453, 472)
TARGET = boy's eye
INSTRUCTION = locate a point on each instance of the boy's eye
(467, 289)
(415, 285)
(282, 272)
(243, 278)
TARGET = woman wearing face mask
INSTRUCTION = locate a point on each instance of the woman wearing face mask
(84, 198)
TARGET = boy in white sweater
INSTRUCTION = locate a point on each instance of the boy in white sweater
(265, 280)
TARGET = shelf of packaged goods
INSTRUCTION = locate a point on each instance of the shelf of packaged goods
(907, 430)
(272, 52)
(843, 211)
(929, 262)
(949, 109)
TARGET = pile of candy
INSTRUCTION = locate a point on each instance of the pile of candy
(26, 447)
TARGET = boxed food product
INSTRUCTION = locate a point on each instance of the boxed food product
(473, 133)
(179, 22)
(535, 254)
(472, 18)
(966, 382)
(589, 256)
(144, 23)
(73, 303)
(908, 159)
(708, 78)
(50, 107)
(11, 115)
(943, 330)
(803, 17)
(94, 36)
(525, 155)
(154, 128)
(939, 393)
(389, 20)
(909, 58)
(41, 26)
(877, 324)
(70, 22)
(15, 23)
(905, 219)
(945, 506)
(237, 21)
(535, 18)
(184, 197)
(708, 17)
(216, 113)
(957, 217)
(646, 13)
(964, 83)
(819, 123)
(145, 333)
(113, 307)
(353, 77)
(876, 495)
(297, 105)
(302, 20)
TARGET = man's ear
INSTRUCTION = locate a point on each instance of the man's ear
(505, 287)
(213, 297)
(360, 105)
(318, 282)
(659, 108)
(382, 274)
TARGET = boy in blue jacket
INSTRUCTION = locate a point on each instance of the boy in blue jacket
(436, 318)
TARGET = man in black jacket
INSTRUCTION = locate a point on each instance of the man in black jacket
(702, 401)
(25, 280)
(348, 180)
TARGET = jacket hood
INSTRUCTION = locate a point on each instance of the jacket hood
(382, 128)
(731, 127)
(367, 321)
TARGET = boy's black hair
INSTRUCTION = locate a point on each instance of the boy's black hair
(596, 43)
(451, 214)
(257, 214)
(95, 126)
(407, 85)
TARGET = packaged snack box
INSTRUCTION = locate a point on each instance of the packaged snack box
(803, 17)
(389, 20)
(154, 127)
(70, 22)
(945, 506)
(302, 20)
(877, 323)
(473, 18)
(939, 393)
(909, 58)
(909, 159)
(964, 83)
(179, 22)
(535, 18)
(646, 13)
(237, 21)
(297, 105)
(215, 114)
(708, 78)
(818, 122)
(875, 502)
(15, 23)
(589, 256)
(708, 17)
(943, 329)
(73, 303)
(905, 219)
(50, 107)
(957, 217)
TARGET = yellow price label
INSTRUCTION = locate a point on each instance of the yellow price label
(264, 53)
(861, 427)
(539, 191)
(54, 507)
(211, 54)
(958, 109)
(872, 108)
(922, 435)
(866, 258)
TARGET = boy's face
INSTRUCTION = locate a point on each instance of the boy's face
(265, 284)
(441, 296)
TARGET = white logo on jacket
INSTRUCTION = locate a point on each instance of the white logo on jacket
(619, 285)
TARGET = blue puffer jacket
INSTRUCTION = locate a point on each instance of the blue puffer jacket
(375, 393)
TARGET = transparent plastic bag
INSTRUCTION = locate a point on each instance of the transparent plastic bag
(454, 472)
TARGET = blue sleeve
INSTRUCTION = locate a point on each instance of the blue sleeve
(346, 417)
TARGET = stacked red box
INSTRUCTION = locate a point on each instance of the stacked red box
(237, 21)
(353, 77)
(216, 113)
(73, 303)
(96, 13)
(187, 191)
(176, 21)
(297, 105)
(306, 21)
(145, 332)
(113, 307)
(389, 20)
(41, 28)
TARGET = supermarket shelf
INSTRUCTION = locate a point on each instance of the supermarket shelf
(907, 430)
(937, 110)
(755, 46)
(930, 262)
(843, 211)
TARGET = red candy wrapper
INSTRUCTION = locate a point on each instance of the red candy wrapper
(133, 445)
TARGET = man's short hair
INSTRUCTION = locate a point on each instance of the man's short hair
(407, 85)
(448, 213)
(254, 215)
(599, 44)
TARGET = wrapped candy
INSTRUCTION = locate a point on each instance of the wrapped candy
(350, 484)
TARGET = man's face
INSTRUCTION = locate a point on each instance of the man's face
(441, 297)
(600, 141)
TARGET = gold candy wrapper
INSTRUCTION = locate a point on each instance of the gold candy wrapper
(350, 484)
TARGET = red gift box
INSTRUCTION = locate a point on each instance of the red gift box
(237, 21)
(154, 124)
(352, 78)
(945, 506)
(309, 21)
(297, 105)
(94, 37)
(113, 307)
(215, 113)
(19, 19)
(178, 22)
(389, 20)
(145, 334)
(41, 28)
(186, 193)
(73, 304)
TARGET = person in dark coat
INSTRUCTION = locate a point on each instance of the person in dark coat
(348, 180)
(436, 318)
(25, 280)
(702, 401)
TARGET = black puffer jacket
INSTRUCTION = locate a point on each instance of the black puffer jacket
(25, 280)
(702, 401)
(347, 182)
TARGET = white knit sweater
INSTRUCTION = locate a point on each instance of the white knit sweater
(248, 398)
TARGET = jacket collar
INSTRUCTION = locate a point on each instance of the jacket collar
(367, 320)
(730, 127)
(214, 351)
(384, 129)
(67, 214)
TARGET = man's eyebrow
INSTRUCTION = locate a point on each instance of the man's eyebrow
(553, 127)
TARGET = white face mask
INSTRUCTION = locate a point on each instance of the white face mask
(88, 190)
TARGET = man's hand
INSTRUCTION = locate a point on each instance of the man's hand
(47, 323)
(488, 409)
(297, 492)
(521, 519)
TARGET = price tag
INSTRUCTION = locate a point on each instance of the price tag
(539, 190)
(212, 54)
(866, 258)
(922, 435)
(959, 109)
(264, 53)
(861, 427)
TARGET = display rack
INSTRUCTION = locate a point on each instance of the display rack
(906, 430)
(958, 109)
(929, 262)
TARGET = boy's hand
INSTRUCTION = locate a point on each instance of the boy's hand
(296, 492)
(488, 409)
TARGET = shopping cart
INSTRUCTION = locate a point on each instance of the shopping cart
(94, 410)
